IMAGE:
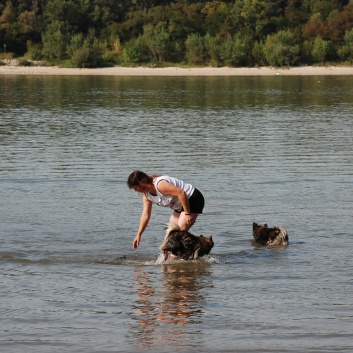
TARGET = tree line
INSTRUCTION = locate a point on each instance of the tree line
(92, 33)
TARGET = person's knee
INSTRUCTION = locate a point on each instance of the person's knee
(182, 223)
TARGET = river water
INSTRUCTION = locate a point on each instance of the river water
(276, 150)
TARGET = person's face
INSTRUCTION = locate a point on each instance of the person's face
(139, 188)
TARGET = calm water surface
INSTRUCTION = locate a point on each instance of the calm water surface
(276, 150)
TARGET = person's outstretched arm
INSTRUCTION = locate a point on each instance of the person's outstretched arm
(145, 218)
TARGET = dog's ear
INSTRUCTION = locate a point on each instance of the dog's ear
(201, 236)
(265, 225)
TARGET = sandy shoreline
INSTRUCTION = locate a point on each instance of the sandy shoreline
(175, 71)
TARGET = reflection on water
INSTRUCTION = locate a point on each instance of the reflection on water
(163, 311)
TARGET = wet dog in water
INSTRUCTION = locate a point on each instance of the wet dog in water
(269, 236)
(185, 245)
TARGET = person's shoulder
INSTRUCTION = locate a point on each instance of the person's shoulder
(162, 177)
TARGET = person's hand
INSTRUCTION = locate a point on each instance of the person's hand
(136, 241)
(190, 220)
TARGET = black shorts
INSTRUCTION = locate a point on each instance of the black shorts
(196, 202)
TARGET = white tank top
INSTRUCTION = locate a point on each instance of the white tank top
(168, 200)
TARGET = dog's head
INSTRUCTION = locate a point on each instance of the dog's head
(269, 236)
(260, 233)
(206, 244)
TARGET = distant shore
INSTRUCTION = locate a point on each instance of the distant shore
(178, 71)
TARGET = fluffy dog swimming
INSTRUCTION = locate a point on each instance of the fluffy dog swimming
(269, 236)
(185, 245)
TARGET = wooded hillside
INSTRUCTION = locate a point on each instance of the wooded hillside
(90, 33)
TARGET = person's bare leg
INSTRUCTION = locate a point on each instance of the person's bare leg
(174, 218)
(181, 219)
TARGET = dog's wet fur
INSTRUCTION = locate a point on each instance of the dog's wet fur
(184, 245)
(264, 235)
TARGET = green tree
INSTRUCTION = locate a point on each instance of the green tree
(195, 49)
(217, 20)
(90, 55)
(68, 11)
(296, 13)
(236, 50)
(55, 40)
(322, 50)
(157, 40)
(183, 19)
(280, 49)
(212, 49)
(76, 42)
(8, 15)
(9, 30)
(254, 16)
(133, 51)
(27, 20)
(306, 52)
(345, 52)
(326, 7)
(257, 53)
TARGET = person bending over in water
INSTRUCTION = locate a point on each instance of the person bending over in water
(184, 199)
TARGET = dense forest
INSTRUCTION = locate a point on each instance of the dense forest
(91, 33)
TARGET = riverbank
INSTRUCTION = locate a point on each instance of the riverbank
(177, 71)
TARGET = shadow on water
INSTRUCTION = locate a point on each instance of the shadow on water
(164, 310)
